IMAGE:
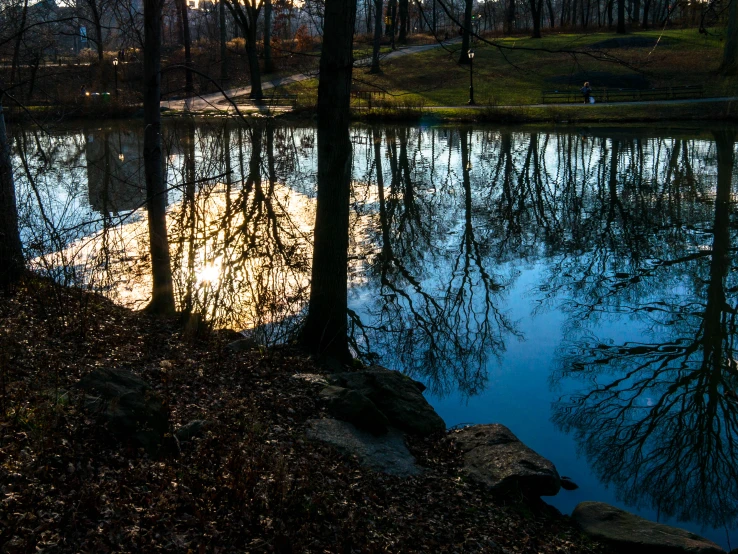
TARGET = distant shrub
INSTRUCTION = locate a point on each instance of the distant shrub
(303, 40)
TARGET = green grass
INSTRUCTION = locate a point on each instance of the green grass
(517, 73)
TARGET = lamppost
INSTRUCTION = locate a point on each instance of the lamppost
(471, 77)
(115, 65)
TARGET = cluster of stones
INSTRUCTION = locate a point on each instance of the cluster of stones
(371, 412)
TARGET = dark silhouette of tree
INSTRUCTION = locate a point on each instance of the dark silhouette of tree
(621, 17)
(268, 62)
(247, 17)
(466, 33)
(162, 295)
(325, 331)
(11, 252)
(378, 11)
(536, 13)
(186, 38)
(729, 64)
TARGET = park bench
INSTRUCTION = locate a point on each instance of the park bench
(368, 95)
(625, 94)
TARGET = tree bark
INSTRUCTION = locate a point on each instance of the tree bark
(378, 9)
(268, 63)
(325, 330)
(162, 294)
(509, 16)
(465, 37)
(551, 14)
(247, 20)
(254, 70)
(18, 40)
(189, 86)
(11, 251)
(536, 12)
(404, 22)
(729, 65)
(223, 40)
(391, 21)
(621, 17)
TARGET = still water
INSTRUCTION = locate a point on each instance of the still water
(577, 285)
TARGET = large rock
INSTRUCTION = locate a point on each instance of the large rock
(397, 396)
(495, 457)
(354, 407)
(130, 408)
(387, 453)
(637, 535)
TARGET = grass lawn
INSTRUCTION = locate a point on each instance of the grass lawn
(515, 70)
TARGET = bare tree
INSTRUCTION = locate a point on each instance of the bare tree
(11, 252)
(729, 65)
(325, 330)
(247, 16)
(162, 295)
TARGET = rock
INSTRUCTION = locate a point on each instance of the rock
(312, 378)
(638, 535)
(354, 407)
(495, 457)
(387, 453)
(397, 396)
(129, 407)
(194, 429)
(568, 485)
(229, 335)
(242, 345)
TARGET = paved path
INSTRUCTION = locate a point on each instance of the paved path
(216, 100)
(601, 104)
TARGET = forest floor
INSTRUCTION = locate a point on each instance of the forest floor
(253, 483)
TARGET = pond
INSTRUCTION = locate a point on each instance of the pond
(575, 284)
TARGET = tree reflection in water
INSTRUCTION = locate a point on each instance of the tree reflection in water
(659, 419)
(627, 230)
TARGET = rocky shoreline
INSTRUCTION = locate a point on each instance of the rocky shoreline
(123, 434)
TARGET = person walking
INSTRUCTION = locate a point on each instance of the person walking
(586, 92)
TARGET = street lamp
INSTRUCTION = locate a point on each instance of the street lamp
(115, 65)
(471, 77)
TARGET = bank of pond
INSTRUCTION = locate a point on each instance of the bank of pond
(576, 284)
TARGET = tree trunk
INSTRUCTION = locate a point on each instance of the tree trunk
(551, 15)
(536, 11)
(162, 295)
(621, 17)
(18, 40)
(180, 29)
(325, 330)
(378, 9)
(268, 63)
(11, 251)
(97, 22)
(509, 16)
(465, 37)
(404, 15)
(189, 86)
(391, 21)
(254, 71)
(730, 51)
(223, 40)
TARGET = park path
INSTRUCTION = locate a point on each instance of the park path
(217, 101)
(595, 106)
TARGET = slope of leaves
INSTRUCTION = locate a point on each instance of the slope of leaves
(253, 483)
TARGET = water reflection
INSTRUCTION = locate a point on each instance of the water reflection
(115, 177)
(628, 235)
(658, 418)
